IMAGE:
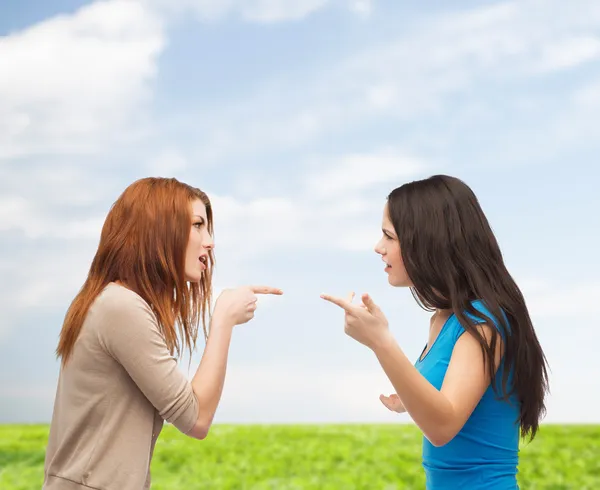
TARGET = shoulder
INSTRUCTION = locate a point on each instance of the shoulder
(479, 313)
(117, 304)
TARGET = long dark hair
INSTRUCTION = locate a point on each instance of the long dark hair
(452, 258)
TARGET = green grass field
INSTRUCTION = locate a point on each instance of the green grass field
(382, 457)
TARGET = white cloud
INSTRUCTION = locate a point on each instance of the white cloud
(333, 395)
(14, 211)
(533, 285)
(168, 162)
(588, 97)
(259, 11)
(568, 53)
(41, 277)
(52, 202)
(333, 208)
(51, 216)
(361, 7)
(547, 299)
(93, 70)
(354, 173)
(23, 218)
(280, 10)
(567, 123)
(558, 301)
(52, 284)
(205, 10)
(381, 95)
(352, 395)
(417, 74)
(72, 83)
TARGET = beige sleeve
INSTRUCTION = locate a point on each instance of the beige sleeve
(130, 334)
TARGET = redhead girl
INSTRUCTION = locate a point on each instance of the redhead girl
(148, 288)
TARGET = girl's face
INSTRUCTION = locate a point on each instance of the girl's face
(389, 249)
(199, 244)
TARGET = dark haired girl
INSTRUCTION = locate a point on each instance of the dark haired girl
(481, 380)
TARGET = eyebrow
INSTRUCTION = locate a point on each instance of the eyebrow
(387, 231)
(199, 217)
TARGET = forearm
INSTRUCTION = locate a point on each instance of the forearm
(429, 408)
(209, 379)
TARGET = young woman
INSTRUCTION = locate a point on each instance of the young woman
(148, 287)
(481, 380)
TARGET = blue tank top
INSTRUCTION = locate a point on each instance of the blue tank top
(484, 454)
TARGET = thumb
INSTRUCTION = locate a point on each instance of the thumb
(370, 304)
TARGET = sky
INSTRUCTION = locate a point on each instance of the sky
(298, 118)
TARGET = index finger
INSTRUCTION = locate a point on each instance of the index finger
(342, 303)
(265, 290)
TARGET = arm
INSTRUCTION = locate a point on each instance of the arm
(439, 414)
(131, 335)
(233, 307)
(209, 379)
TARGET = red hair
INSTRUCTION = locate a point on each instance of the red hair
(143, 245)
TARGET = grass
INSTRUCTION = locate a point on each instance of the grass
(327, 457)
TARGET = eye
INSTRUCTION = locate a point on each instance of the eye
(198, 224)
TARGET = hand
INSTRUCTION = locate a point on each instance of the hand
(393, 403)
(237, 306)
(365, 323)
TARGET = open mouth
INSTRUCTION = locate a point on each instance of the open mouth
(203, 260)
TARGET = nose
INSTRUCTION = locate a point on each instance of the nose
(209, 243)
(379, 248)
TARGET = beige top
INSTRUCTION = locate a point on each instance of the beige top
(113, 396)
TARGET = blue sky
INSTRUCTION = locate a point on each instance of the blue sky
(297, 118)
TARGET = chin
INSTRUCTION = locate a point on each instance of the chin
(397, 283)
(193, 278)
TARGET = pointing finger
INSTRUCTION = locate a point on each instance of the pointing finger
(265, 290)
(342, 303)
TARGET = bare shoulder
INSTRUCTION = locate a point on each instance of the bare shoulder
(469, 344)
(487, 332)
